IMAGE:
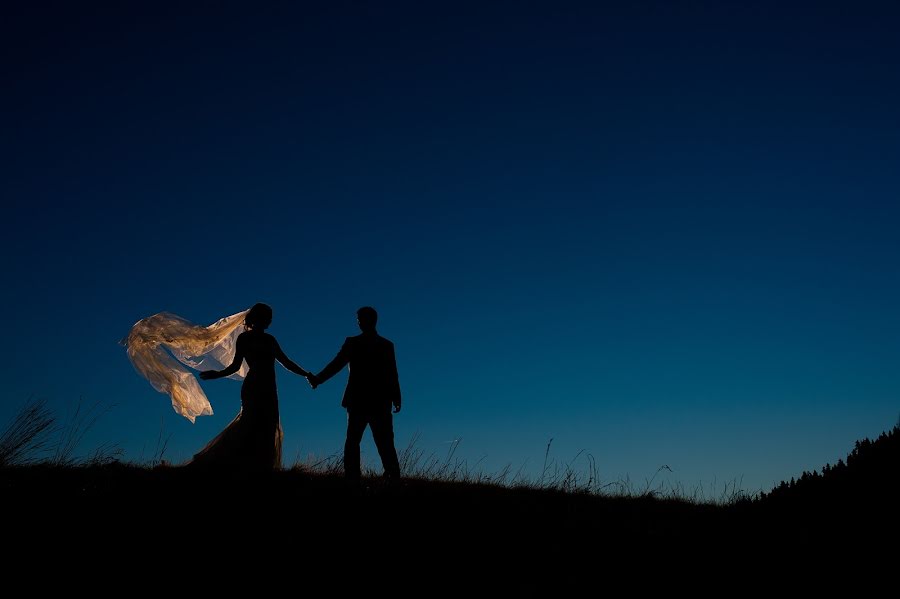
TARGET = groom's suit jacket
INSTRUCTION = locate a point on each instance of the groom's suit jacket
(373, 382)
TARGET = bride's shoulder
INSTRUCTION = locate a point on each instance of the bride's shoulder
(247, 337)
(256, 335)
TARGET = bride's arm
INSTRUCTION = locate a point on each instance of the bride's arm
(287, 362)
(228, 370)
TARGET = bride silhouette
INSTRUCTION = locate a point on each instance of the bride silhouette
(253, 439)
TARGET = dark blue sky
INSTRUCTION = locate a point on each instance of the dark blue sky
(661, 233)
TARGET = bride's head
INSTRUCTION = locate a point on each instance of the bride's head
(258, 318)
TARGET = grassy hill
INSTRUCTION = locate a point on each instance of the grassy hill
(124, 517)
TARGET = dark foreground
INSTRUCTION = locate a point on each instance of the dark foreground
(152, 526)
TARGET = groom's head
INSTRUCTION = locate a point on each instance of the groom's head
(366, 317)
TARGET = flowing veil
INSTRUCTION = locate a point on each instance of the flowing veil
(161, 346)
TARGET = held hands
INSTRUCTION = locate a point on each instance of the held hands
(312, 380)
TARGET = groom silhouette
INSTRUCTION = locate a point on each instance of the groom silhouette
(372, 388)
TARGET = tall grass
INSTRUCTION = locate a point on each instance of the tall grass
(580, 475)
(72, 432)
(27, 435)
(158, 458)
(34, 435)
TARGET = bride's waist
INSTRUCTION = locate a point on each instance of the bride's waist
(260, 378)
(260, 405)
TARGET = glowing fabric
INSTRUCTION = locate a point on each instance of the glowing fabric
(160, 346)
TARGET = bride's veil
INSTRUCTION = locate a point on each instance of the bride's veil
(160, 346)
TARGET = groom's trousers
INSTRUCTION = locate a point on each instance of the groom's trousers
(382, 424)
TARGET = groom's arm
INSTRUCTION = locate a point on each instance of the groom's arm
(336, 365)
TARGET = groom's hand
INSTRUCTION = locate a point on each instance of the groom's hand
(396, 407)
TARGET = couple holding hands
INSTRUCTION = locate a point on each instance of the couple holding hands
(253, 439)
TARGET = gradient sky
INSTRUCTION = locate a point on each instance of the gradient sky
(655, 232)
